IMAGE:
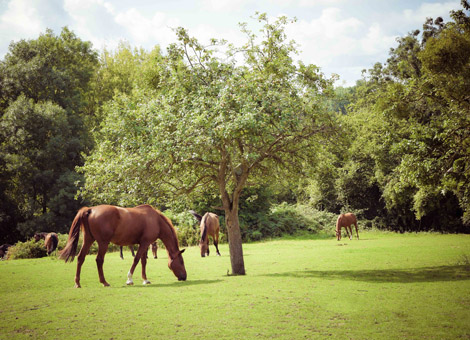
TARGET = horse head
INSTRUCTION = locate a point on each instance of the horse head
(204, 245)
(176, 264)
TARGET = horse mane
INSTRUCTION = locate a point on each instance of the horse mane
(170, 224)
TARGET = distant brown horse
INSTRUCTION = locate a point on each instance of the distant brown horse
(51, 240)
(4, 249)
(209, 227)
(154, 250)
(345, 221)
(123, 226)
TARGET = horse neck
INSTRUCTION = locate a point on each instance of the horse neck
(168, 237)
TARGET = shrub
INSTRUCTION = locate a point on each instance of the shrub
(186, 226)
(27, 250)
(285, 219)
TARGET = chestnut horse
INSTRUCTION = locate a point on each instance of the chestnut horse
(154, 251)
(209, 227)
(345, 221)
(51, 240)
(123, 226)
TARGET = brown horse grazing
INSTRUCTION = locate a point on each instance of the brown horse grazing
(51, 240)
(209, 227)
(345, 221)
(154, 251)
(123, 226)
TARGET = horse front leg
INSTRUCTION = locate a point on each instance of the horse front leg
(138, 256)
(102, 249)
(348, 231)
(144, 264)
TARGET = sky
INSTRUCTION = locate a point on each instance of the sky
(341, 37)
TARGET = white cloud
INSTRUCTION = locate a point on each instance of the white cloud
(332, 39)
(148, 31)
(21, 20)
(224, 5)
(432, 10)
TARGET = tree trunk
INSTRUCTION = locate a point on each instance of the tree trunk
(235, 241)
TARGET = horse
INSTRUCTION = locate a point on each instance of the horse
(51, 240)
(209, 227)
(345, 221)
(122, 256)
(124, 227)
(154, 251)
(4, 249)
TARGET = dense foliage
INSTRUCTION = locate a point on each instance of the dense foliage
(244, 131)
(43, 110)
(407, 163)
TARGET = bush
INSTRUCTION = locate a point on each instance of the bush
(285, 219)
(27, 250)
(186, 227)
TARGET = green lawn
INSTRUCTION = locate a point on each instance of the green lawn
(391, 286)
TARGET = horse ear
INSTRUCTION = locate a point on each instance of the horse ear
(182, 251)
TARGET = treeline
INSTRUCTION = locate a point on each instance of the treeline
(80, 127)
(403, 157)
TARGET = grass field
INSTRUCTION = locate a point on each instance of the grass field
(384, 286)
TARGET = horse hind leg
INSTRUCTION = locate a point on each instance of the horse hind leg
(348, 231)
(357, 233)
(102, 249)
(86, 244)
(216, 244)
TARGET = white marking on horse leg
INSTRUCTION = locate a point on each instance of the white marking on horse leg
(129, 279)
(146, 282)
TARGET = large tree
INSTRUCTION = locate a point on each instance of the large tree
(221, 119)
(43, 108)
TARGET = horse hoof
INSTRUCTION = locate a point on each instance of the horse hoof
(129, 283)
(77, 286)
(146, 282)
(105, 284)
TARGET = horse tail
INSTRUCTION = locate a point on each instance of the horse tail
(70, 250)
(204, 228)
(196, 215)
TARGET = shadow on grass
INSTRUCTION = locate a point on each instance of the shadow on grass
(425, 274)
(174, 284)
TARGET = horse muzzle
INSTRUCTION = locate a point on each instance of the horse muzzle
(182, 278)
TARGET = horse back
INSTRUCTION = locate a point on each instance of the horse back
(210, 221)
(346, 220)
(124, 226)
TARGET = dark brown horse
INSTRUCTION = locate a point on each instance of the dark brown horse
(154, 250)
(51, 240)
(141, 225)
(209, 227)
(4, 249)
(345, 221)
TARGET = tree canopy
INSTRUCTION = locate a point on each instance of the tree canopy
(213, 123)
